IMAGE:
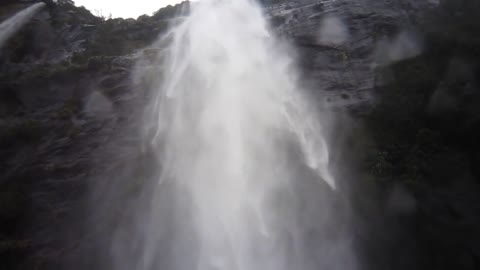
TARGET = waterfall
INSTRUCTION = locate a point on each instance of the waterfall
(246, 181)
(10, 26)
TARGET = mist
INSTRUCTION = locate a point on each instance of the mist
(239, 135)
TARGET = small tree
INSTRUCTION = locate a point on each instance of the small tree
(65, 2)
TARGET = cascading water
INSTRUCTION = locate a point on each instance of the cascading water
(9, 27)
(245, 181)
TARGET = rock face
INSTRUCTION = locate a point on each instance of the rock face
(65, 91)
(406, 71)
(343, 68)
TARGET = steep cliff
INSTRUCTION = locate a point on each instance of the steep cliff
(401, 76)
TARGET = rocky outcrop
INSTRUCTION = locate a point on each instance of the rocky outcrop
(65, 92)
(341, 66)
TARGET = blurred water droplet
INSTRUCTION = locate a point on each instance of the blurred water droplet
(97, 105)
(403, 46)
(333, 31)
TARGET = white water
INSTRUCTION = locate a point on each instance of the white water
(246, 182)
(10, 26)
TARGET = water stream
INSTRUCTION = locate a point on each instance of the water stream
(13, 24)
(246, 181)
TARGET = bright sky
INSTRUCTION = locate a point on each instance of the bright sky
(124, 8)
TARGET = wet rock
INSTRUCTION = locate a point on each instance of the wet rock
(113, 80)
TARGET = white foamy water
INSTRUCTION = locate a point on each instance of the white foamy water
(245, 181)
(10, 26)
